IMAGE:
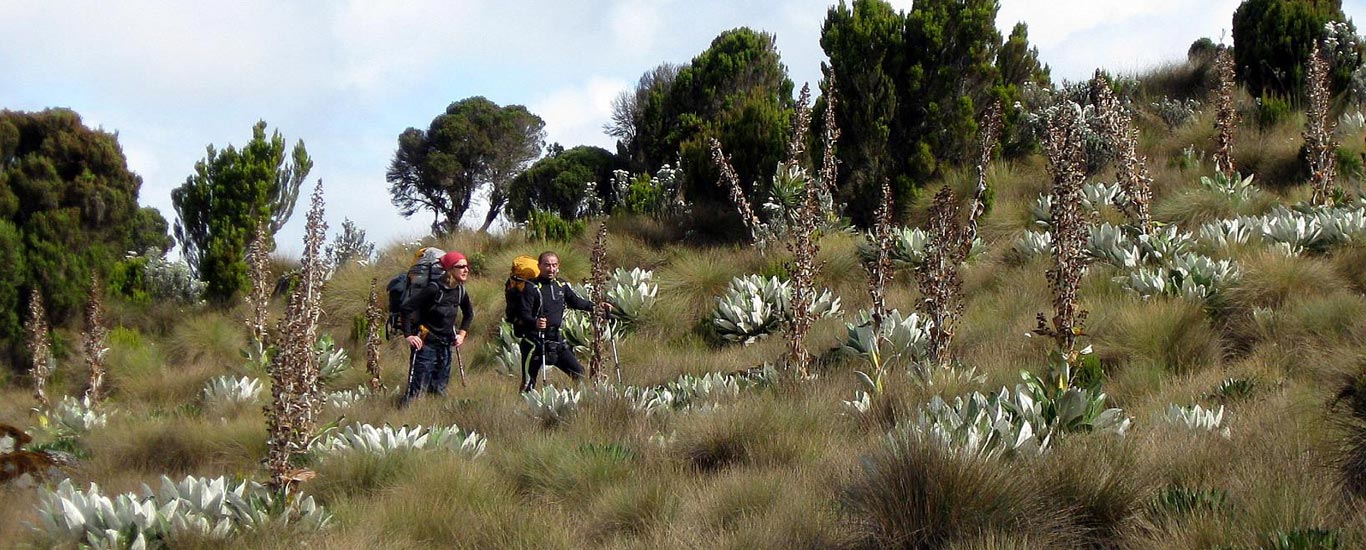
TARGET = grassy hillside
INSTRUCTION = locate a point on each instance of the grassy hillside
(786, 463)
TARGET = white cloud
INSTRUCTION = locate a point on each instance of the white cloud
(635, 26)
(574, 115)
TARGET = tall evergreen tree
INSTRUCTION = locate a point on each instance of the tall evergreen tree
(1272, 40)
(913, 84)
(68, 209)
(736, 91)
(231, 191)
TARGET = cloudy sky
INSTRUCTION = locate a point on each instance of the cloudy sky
(348, 76)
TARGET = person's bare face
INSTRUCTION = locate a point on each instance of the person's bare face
(550, 266)
(461, 271)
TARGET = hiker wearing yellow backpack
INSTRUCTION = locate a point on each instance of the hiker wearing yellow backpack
(536, 312)
(429, 325)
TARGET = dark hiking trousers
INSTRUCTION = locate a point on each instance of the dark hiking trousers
(430, 370)
(557, 354)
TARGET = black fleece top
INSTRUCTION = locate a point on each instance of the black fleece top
(547, 298)
(435, 307)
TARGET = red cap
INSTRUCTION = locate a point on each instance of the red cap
(450, 259)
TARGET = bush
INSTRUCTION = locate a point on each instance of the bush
(1272, 111)
(547, 226)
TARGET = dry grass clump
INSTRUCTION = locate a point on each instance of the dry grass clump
(916, 495)
(1172, 334)
(212, 339)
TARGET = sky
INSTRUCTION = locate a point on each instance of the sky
(348, 76)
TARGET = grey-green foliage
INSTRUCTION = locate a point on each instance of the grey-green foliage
(755, 306)
(364, 438)
(347, 247)
(908, 247)
(214, 508)
(552, 405)
(1023, 421)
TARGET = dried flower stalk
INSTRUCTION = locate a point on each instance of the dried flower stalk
(94, 341)
(258, 298)
(990, 134)
(829, 138)
(374, 318)
(804, 248)
(1318, 131)
(296, 391)
(1066, 163)
(737, 193)
(880, 268)
(597, 282)
(801, 122)
(1225, 116)
(1132, 172)
(938, 277)
(39, 347)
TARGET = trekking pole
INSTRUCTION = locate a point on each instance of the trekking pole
(540, 348)
(544, 381)
(461, 363)
(412, 365)
(615, 360)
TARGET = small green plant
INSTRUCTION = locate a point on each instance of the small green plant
(1233, 389)
(1272, 111)
(1305, 539)
(549, 226)
(1179, 500)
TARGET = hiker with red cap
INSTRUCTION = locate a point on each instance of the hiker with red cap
(429, 326)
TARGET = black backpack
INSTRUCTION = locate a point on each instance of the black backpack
(426, 268)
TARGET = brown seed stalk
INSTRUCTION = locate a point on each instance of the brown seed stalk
(296, 391)
(374, 318)
(1067, 164)
(93, 341)
(597, 282)
(39, 347)
(1225, 115)
(1132, 172)
(1318, 131)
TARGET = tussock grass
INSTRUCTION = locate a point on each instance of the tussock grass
(1173, 334)
(178, 445)
(919, 496)
(214, 339)
(456, 503)
(1270, 279)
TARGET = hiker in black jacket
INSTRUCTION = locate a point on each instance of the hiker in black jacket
(429, 317)
(537, 320)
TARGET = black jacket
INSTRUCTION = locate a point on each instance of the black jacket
(546, 298)
(435, 307)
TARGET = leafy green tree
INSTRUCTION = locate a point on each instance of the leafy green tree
(737, 91)
(68, 208)
(230, 193)
(563, 183)
(1272, 42)
(474, 145)
(629, 109)
(864, 42)
(911, 86)
(1018, 66)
